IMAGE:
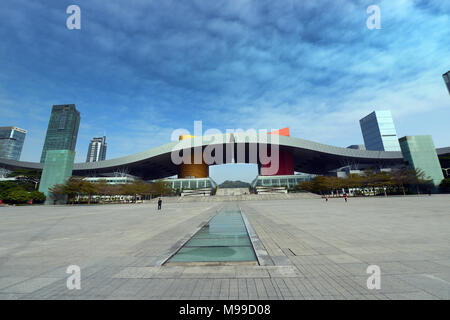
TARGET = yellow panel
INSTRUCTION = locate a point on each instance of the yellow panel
(185, 136)
(200, 170)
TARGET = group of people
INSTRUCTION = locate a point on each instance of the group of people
(345, 197)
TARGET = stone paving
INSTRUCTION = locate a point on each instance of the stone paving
(315, 250)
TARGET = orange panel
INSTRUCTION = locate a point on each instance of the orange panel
(281, 132)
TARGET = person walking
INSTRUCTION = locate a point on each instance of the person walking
(159, 203)
(326, 198)
(345, 197)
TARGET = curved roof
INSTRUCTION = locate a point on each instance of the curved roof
(308, 156)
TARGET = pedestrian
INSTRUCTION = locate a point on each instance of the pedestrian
(159, 203)
(345, 197)
(326, 198)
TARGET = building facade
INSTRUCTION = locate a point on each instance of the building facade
(11, 142)
(58, 166)
(62, 129)
(97, 150)
(446, 77)
(419, 152)
(379, 132)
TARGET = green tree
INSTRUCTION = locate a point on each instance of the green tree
(321, 184)
(58, 191)
(401, 179)
(161, 187)
(305, 185)
(89, 189)
(17, 196)
(37, 196)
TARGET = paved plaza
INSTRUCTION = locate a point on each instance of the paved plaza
(309, 250)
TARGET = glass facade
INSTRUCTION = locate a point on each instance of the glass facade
(419, 152)
(446, 77)
(62, 129)
(379, 132)
(58, 167)
(191, 183)
(11, 142)
(281, 181)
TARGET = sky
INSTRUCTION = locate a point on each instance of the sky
(139, 69)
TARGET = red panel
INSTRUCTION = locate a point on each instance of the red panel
(285, 163)
(285, 166)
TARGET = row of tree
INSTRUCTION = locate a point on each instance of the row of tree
(396, 182)
(18, 192)
(76, 189)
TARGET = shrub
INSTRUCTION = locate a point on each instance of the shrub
(37, 196)
(17, 196)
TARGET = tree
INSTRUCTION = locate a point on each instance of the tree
(321, 184)
(73, 188)
(37, 196)
(305, 185)
(445, 185)
(58, 191)
(401, 178)
(419, 178)
(383, 180)
(335, 184)
(17, 196)
(88, 188)
(27, 176)
(161, 187)
(136, 188)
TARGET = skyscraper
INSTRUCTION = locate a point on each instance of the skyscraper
(379, 132)
(419, 152)
(11, 142)
(62, 129)
(446, 77)
(97, 150)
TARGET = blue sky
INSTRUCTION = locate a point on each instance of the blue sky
(138, 69)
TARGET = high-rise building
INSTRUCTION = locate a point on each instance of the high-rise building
(379, 132)
(446, 77)
(357, 147)
(62, 129)
(97, 150)
(11, 142)
(419, 152)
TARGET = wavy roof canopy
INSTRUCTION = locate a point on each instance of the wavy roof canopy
(308, 156)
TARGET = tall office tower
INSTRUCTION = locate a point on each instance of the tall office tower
(62, 129)
(419, 152)
(97, 150)
(379, 132)
(11, 142)
(446, 77)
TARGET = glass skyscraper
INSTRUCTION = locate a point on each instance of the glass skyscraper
(97, 150)
(419, 152)
(446, 77)
(62, 129)
(379, 132)
(11, 142)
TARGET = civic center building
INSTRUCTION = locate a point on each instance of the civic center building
(283, 161)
